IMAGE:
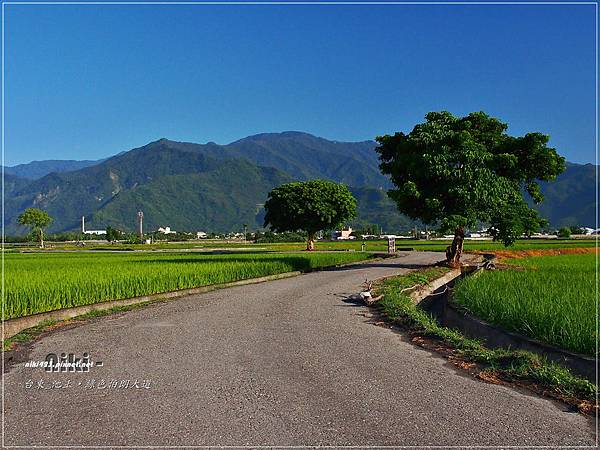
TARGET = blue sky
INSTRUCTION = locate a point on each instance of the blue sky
(85, 82)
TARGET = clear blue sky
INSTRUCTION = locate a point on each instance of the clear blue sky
(85, 82)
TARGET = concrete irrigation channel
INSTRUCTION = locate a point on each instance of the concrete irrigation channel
(290, 362)
(437, 299)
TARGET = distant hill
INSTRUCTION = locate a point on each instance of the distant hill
(69, 195)
(220, 187)
(13, 183)
(221, 199)
(38, 169)
(301, 155)
(571, 199)
(375, 207)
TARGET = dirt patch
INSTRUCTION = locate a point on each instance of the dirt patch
(520, 254)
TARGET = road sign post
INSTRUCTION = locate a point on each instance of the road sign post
(391, 245)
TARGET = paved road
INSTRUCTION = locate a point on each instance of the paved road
(287, 362)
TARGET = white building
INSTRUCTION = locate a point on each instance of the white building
(166, 230)
(201, 235)
(343, 234)
(84, 231)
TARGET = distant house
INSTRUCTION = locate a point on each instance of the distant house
(201, 235)
(343, 234)
(166, 230)
(369, 236)
(96, 232)
(482, 234)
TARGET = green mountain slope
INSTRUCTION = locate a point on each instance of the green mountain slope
(214, 187)
(68, 196)
(38, 169)
(375, 207)
(13, 183)
(571, 199)
(301, 155)
(218, 200)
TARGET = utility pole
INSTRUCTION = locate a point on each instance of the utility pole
(245, 231)
(140, 220)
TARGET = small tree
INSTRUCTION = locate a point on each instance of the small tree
(576, 229)
(37, 220)
(112, 234)
(457, 171)
(309, 206)
(564, 232)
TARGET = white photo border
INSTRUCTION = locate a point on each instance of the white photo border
(309, 3)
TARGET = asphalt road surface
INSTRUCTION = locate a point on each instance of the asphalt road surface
(288, 362)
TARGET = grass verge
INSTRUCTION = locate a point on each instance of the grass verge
(495, 365)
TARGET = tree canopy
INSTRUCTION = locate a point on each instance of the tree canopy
(309, 206)
(112, 234)
(458, 171)
(37, 220)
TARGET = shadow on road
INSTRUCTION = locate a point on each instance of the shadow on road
(368, 265)
(351, 299)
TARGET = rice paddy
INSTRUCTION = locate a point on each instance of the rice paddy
(39, 282)
(551, 299)
(356, 245)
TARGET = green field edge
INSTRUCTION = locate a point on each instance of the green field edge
(487, 296)
(509, 365)
(323, 245)
(136, 278)
(30, 334)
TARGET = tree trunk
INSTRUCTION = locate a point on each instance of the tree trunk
(310, 244)
(454, 251)
(41, 238)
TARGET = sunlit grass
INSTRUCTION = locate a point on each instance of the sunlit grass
(39, 282)
(356, 245)
(552, 299)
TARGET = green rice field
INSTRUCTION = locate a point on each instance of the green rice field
(552, 299)
(39, 282)
(374, 245)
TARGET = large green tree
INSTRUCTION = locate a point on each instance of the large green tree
(309, 206)
(37, 220)
(458, 171)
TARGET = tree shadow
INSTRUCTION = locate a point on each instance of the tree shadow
(367, 264)
(293, 260)
(354, 300)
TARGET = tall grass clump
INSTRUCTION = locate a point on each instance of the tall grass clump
(552, 299)
(39, 282)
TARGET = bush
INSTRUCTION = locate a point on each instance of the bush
(564, 232)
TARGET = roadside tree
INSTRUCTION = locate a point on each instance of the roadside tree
(458, 171)
(309, 206)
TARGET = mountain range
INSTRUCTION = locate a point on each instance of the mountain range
(218, 188)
